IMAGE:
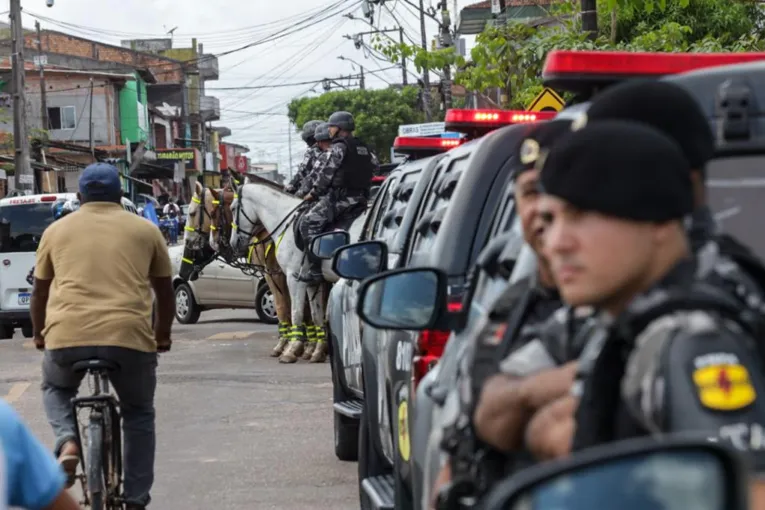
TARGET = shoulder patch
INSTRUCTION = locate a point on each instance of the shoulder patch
(723, 384)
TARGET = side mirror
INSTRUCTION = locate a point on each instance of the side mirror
(643, 474)
(323, 245)
(360, 260)
(410, 299)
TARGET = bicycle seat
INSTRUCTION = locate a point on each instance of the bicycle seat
(95, 364)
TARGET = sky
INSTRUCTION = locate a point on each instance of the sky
(310, 39)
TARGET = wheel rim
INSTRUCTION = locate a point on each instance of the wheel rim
(182, 302)
(268, 305)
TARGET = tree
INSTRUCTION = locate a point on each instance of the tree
(378, 113)
(510, 57)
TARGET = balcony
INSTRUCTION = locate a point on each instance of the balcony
(208, 67)
(209, 108)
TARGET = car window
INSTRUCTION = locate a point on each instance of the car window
(735, 187)
(503, 217)
(376, 210)
(436, 203)
(390, 221)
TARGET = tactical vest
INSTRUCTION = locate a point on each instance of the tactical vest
(709, 383)
(356, 170)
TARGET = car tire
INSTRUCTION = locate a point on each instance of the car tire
(265, 305)
(27, 330)
(186, 308)
(6, 331)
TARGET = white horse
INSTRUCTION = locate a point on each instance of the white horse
(266, 203)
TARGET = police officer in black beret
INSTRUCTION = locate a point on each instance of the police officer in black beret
(723, 261)
(513, 323)
(677, 354)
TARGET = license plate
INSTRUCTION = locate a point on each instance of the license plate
(24, 298)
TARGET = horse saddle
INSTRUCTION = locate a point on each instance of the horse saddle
(342, 222)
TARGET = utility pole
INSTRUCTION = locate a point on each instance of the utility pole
(590, 18)
(425, 77)
(361, 78)
(403, 59)
(25, 178)
(43, 98)
(90, 121)
(446, 42)
(289, 143)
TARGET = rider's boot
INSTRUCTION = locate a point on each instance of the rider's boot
(314, 273)
(322, 349)
(295, 347)
(310, 332)
(284, 330)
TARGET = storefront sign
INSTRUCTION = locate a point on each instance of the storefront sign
(176, 154)
(241, 164)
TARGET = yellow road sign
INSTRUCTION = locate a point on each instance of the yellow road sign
(547, 101)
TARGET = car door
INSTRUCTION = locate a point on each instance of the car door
(233, 287)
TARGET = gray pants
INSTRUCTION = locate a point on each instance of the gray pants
(134, 384)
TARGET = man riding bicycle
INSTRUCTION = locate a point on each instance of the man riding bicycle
(92, 298)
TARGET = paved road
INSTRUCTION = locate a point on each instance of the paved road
(236, 430)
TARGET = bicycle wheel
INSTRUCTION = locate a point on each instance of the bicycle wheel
(95, 466)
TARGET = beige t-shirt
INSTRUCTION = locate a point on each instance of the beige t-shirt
(100, 259)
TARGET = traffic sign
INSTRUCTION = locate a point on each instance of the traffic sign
(547, 101)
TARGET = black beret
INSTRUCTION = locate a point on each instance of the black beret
(620, 168)
(539, 140)
(664, 106)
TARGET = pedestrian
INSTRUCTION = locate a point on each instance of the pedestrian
(310, 157)
(30, 477)
(677, 353)
(92, 298)
(485, 439)
(340, 186)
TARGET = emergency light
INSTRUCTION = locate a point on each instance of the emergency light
(407, 144)
(461, 118)
(571, 70)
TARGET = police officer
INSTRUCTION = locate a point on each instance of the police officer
(507, 344)
(723, 261)
(678, 353)
(341, 183)
(309, 159)
(323, 144)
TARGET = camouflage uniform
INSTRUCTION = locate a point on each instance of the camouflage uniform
(317, 165)
(305, 168)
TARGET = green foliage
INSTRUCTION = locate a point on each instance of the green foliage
(378, 113)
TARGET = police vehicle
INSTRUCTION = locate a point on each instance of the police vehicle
(22, 222)
(462, 193)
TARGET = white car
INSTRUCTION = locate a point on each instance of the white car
(219, 286)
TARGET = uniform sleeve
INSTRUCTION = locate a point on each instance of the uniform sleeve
(327, 172)
(375, 162)
(160, 267)
(317, 161)
(303, 168)
(35, 478)
(43, 262)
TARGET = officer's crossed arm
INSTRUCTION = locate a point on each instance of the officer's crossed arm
(508, 402)
(325, 174)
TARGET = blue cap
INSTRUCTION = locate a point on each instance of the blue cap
(100, 181)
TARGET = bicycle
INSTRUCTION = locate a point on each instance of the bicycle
(101, 477)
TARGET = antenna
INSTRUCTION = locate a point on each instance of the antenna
(170, 32)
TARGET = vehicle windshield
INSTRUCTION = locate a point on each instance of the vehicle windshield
(735, 190)
(21, 226)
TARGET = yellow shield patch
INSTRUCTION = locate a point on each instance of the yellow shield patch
(404, 447)
(724, 387)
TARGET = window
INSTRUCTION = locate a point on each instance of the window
(61, 117)
(21, 226)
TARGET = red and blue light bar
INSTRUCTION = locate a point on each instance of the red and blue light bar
(421, 143)
(479, 119)
(562, 66)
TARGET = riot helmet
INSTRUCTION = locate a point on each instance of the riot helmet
(342, 120)
(308, 130)
(322, 133)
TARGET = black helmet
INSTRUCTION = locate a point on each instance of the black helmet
(308, 129)
(342, 120)
(322, 132)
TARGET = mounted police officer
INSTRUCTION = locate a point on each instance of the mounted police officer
(309, 159)
(673, 352)
(342, 183)
(323, 144)
(483, 440)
